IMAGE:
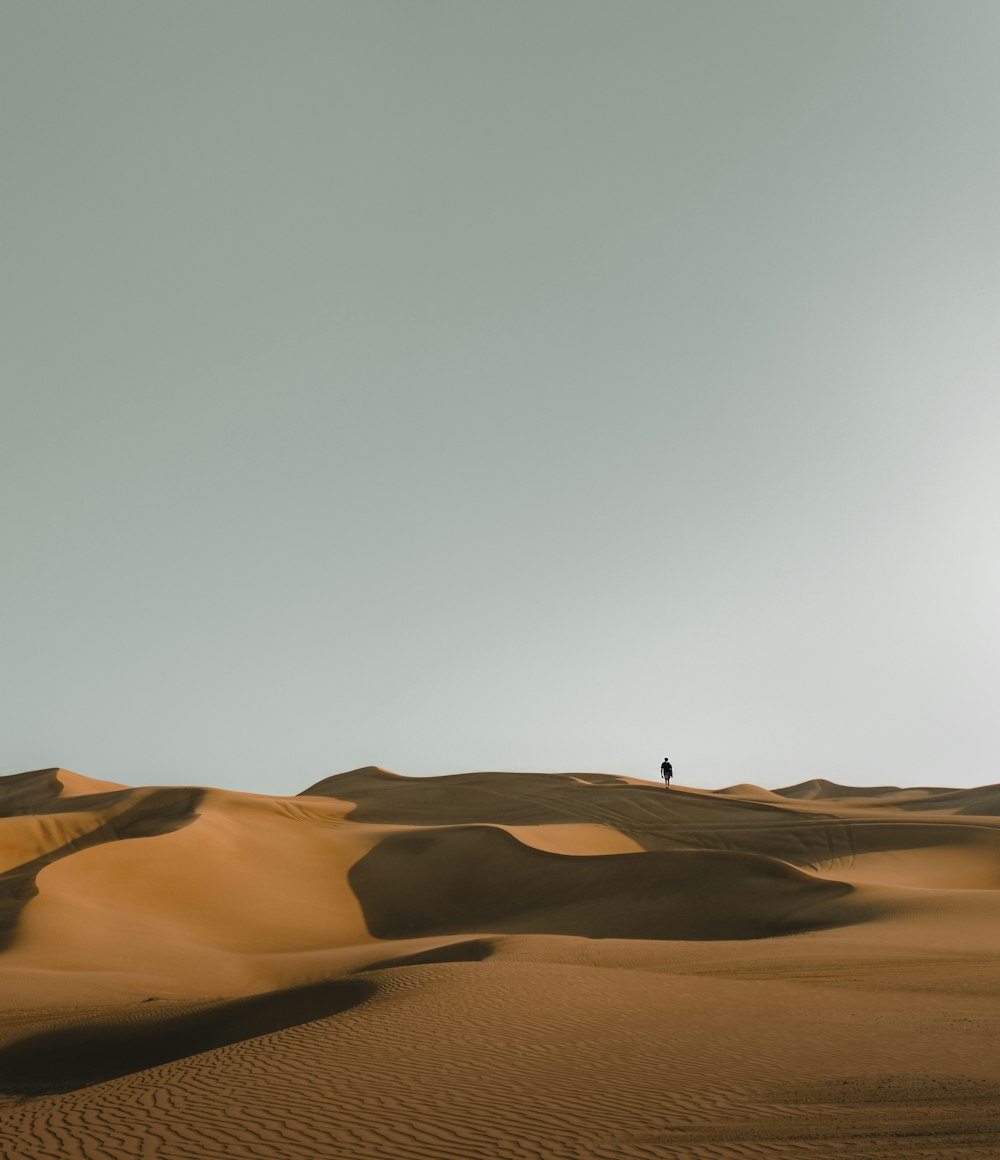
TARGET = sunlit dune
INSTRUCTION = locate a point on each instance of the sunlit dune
(474, 965)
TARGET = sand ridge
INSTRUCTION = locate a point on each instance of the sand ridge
(433, 953)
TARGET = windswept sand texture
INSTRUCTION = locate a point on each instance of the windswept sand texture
(498, 966)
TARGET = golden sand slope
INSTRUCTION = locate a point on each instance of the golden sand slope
(497, 965)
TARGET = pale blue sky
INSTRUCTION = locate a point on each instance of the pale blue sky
(523, 385)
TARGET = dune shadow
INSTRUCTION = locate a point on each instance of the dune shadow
(672, 820)
(525, 799)
(73, 1057)
(421, 883)
(30, 792)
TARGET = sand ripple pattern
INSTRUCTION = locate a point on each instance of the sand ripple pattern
(616, 994)
(445, 1064)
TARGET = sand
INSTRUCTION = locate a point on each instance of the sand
(497, 965)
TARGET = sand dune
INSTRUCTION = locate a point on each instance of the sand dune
(418, 883)
(497, 964)
(68, 1058)
(981, 802)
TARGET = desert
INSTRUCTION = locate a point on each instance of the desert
(507, 393)
(498, 964)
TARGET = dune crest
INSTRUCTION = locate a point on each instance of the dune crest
(584, 926)
(266, 890)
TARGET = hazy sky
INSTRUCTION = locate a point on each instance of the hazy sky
(525, 384)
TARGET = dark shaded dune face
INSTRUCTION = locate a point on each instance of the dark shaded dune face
(655, 818)
(158, 811)
(365, 779)
(419, 884)
(983, 802)
(745, 789)
(514, 799)
(80, 803)
(942, 854)
(28, 793)
(912, 797)
(40, 791)
(818, 788)
(75, 1057)
(499, 798)
(812, 842)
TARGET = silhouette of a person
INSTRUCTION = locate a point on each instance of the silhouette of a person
(667, 771)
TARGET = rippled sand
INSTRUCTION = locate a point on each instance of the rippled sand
(497, 965)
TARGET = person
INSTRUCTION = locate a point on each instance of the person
(667, 771)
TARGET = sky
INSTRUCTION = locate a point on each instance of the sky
(530, 385)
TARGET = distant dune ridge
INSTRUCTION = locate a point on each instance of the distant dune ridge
(431, 953)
